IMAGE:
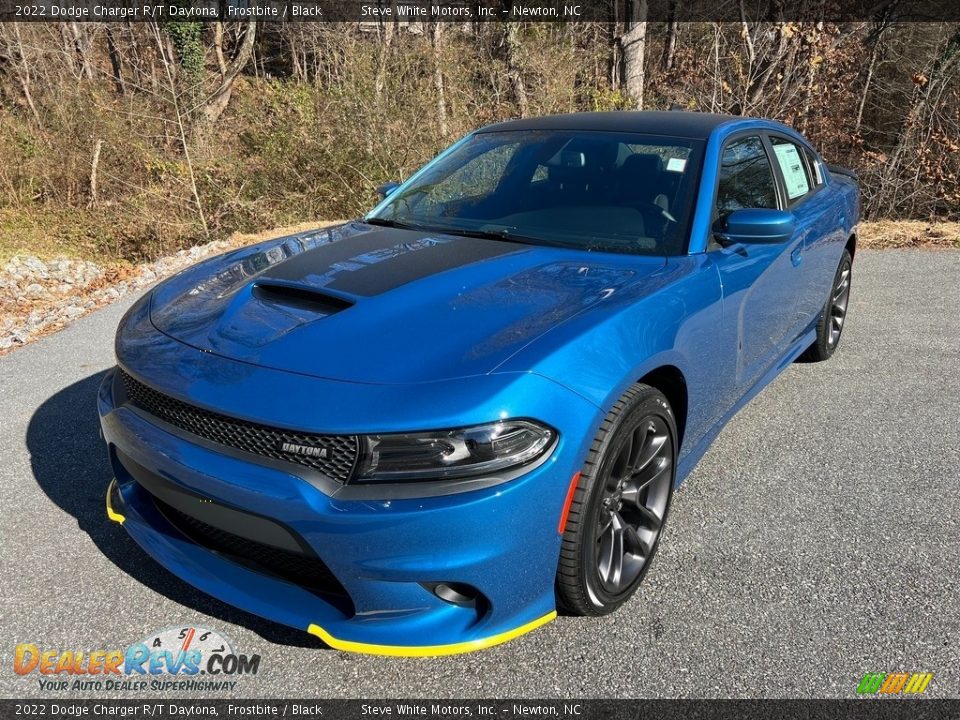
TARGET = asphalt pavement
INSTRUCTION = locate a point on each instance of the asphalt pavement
(818, 539)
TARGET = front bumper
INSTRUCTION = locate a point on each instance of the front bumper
(385, 554)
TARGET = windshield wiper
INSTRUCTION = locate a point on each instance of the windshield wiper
(385, 222)
(505, 235)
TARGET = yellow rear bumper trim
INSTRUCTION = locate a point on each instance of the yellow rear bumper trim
(111, 513)
(429, 650)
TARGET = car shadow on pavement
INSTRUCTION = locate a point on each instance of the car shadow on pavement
(69, 462)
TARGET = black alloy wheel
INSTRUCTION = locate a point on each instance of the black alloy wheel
(838, 303)
(620, 505)
(834, 313)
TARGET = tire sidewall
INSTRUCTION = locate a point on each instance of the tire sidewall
(648, 403)
(823, 330)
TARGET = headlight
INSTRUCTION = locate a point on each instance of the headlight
(465, 452)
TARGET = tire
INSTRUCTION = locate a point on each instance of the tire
(834, 313)
(624, 491)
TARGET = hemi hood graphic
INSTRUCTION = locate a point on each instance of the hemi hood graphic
(383, 305)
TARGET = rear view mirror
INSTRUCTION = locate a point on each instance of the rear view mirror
(755, 226)
(387, 188)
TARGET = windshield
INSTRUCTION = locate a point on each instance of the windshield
(618, 192)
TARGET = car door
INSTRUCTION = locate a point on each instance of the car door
(760, 281)
(805, 196)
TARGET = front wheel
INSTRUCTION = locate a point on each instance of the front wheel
(833, 315)
(620, 505)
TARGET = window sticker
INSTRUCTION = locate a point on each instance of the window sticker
(676, 165)
(794, 175)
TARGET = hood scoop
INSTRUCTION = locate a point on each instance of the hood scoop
(264, 312)
(299, 298)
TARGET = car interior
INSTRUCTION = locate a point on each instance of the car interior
(580, 186)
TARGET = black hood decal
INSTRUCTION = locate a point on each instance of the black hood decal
(379, 261)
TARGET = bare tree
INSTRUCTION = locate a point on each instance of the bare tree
(436, 39)
(511, 52)
(218, 49)
(116, 61)
(15, 56)
(81, 44)
(217, 102)
(918, 122)
(94, 167)
(389, 30)
(634, 42)
(181, 127)
(670, 44)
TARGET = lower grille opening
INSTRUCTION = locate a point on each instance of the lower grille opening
(307, 571)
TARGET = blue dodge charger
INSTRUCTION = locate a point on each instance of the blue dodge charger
(425, 431)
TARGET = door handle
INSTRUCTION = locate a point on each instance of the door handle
(796, 255)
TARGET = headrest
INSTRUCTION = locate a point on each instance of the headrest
(642, 164)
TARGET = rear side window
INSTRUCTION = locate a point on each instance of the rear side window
(789, 156)
(815, 168)
(746, 178)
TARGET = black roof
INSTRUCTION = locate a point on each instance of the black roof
(671, 123)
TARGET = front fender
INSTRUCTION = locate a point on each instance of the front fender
(674, 319)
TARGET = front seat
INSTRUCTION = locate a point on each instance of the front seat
(641, 183)
(641, 180)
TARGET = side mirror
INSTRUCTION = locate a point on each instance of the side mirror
(387, 188)
(755, 227)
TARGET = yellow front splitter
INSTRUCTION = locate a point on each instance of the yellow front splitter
(429, 650)
(393, 650)
(111, 513)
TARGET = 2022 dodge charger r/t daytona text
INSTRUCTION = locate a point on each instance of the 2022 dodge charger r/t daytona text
(421, 432)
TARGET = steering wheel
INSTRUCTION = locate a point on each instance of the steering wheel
(648, 208)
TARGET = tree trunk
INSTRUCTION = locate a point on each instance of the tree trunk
(24, 75)
(616, 56)
(81, 43)
(812, 66)
(380, 82)
(68, 50)
(94, 167)
(634, 53)
(218, 101)
(670, 45)
(116, 63)
(715, 100)
(511, 49)
(218, 49)
(747, 38)
(436, 39)
(756, 88)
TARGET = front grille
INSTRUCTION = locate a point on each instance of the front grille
(339, 451)
(307, 571)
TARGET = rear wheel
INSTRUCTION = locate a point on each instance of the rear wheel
(834, 313)
(620, 505)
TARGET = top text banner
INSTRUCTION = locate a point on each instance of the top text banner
(418, 11)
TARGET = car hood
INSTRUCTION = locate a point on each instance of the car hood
(382, 305)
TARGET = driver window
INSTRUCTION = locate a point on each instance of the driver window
(746, 177)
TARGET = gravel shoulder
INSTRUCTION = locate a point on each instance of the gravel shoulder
(38, 297)
(816, 541)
